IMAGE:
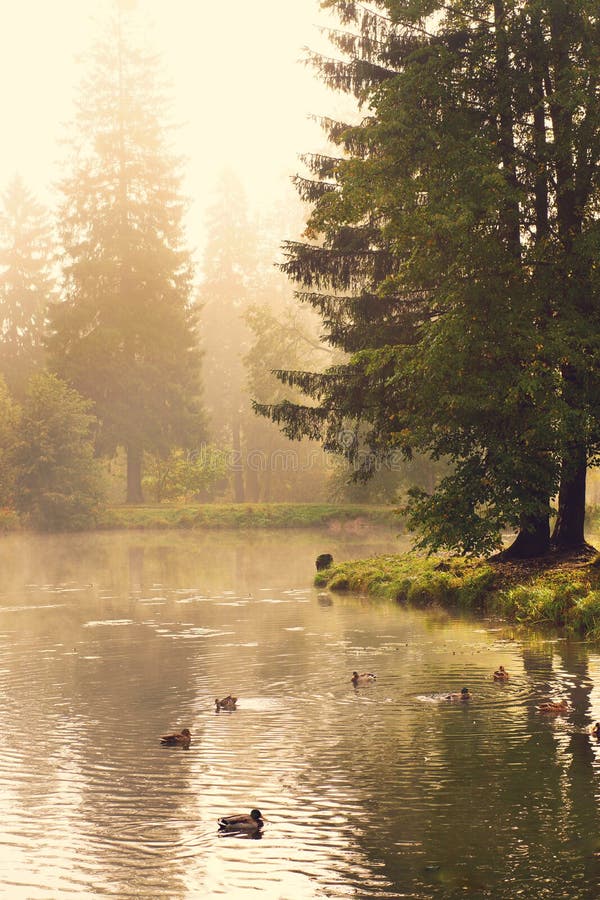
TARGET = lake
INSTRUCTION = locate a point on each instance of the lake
(387, 790)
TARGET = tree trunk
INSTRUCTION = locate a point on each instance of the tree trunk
(266, 491)
(569, 529)
(509, 211)
(238, 474)
(253, 465)
(134, 475)
(532, 540)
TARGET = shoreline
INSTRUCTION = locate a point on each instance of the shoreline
(558, 591)
(244, 516)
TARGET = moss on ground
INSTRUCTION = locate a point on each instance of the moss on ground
(559, 591)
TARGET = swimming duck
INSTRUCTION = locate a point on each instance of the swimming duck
(362, 678)
(500, 674)
(465, 694)
(595, 729)
(177, 739)
(226, 703)
(242, 822)
(552, 707)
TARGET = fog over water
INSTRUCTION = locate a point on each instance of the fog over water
(109, 640)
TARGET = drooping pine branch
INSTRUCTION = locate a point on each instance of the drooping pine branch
(342, 270)
(321, 165)
(311, 191)
(356, 77)
(295, 421)
(350, 137)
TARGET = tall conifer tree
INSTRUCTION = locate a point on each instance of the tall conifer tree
(453, 260)
(124, 332)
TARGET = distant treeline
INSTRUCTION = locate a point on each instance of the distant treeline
(126, 374)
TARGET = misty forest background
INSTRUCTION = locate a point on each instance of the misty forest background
(427, 334)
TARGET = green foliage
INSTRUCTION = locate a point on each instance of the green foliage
(584, 616)
(57, 478)
(9, 521)
(449, 253)
(340, 582)
(188, 475)
(397, 577)
(9, 421)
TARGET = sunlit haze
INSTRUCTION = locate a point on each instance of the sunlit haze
(240, 93)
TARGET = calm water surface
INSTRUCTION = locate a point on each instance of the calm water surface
(107, 641)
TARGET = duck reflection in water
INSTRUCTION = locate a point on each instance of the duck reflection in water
(181, 738)
(554, 708)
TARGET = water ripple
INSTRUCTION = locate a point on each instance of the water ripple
(381, 791)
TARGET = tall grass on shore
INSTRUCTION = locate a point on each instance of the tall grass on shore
(564, 594)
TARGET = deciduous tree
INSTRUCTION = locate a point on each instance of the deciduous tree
(9, 419)
(56, 475)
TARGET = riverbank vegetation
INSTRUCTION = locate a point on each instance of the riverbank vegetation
(245, 515)
(558, 590)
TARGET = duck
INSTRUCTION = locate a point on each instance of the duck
(242, 822)
(177, 739)
(226, 703)
(500, 674)
(362, 678)
(465, 694)
(554, 707)
(595, 729)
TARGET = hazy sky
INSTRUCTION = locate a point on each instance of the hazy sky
(241, 95)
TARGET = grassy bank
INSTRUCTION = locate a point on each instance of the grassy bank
(563, 592)
(243, 515)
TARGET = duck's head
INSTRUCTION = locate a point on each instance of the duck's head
(464, 691)
(355, 674)
(186, 732)
(256, 815)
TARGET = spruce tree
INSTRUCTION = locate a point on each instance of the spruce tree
(26, 283)
(451, 255)
(123, 334)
